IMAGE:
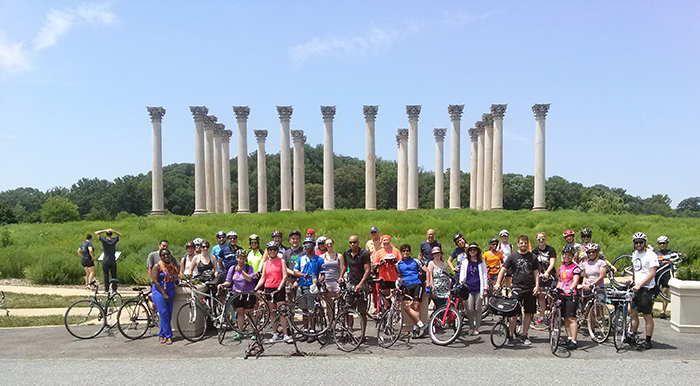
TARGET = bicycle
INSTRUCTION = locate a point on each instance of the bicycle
(256, 347)
(555, 319)
(137, 315)
(665, 271)
(543, 325)
(595, 315)
(445, 323)
(87, 318)
(259, 314)
(348, 327)
(506, 307)
(201, 306)
(311, 314)
(379, 300)
(391, 323)
(620, 299)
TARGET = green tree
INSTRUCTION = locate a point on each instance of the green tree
(690, 207)
(562, 194)
(518, 191)
(58, 209)
(7, 215)
(314, 197)
(607, 203)
(26, 203)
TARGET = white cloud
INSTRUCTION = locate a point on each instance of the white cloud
(97, 14)
(375, 39)
(57, 24)
(460, 19)
(13, 56)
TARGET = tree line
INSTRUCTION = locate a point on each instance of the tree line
(98, 199)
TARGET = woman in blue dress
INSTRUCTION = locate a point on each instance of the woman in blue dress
(163, 277)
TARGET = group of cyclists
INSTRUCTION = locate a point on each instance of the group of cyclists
(309, 263)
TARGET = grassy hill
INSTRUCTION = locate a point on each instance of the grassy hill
(46, 253)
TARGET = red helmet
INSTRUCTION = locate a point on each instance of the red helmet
(590, 247)
(569, 232)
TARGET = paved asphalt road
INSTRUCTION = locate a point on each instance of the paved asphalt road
(49, 355)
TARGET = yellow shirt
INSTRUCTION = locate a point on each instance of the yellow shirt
(493, 261)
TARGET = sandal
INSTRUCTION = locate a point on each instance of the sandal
(162, 339)
(169, 341)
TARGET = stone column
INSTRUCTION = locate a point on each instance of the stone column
(261, 135)
(242, 113)
(299, 184)
(200, 195)
(540, 111)
(226, 166)
(412, 112)
(370, 158)
(402, 170)
(328, 113)
(473, 183)
(455, 146)
(488, 159)
(157, 201)
(439, 168)
(218, 171)
(497, 112)
(209, 122)
(285, 113)
(480, 167)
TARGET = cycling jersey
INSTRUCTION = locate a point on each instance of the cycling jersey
(567, 273)
(387, 271)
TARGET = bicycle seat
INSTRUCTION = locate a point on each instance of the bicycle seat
(211, 283)
(114, 281)
(138, 289)
(377, 280)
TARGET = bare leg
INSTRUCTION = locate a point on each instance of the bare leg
(526, 323)
(649, 322)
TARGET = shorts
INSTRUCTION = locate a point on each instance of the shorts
(414, 292)
(643, 301)
(600, 295)
(387, 285)
(568, 306)
(549, 283)
(87, 262)
(663, 280)
(307, 302)
(357, 300)
(332, 286)
(492, 279)
(245, 301)
(277, 297)
(289, 290)
(528, 300)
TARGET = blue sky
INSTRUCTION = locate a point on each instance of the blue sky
(622, 78)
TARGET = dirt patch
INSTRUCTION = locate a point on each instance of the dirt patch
(28, 283)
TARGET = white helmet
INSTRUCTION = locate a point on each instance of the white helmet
(639, 236)
(232, 233)
(662, 239)
(197, 241)
(503, 233)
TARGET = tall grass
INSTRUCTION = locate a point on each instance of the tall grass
(46, 253)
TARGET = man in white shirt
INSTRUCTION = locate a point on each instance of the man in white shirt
(644, 261)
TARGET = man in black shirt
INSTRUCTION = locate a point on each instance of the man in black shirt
(526, 283)
(358, 263)
(109, 249)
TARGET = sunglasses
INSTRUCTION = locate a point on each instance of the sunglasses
(406, 251)
(590, 252)
(541, 239)
(205, 246)
(352, 242)
(272, 249)
(638, 242)
(308, 245)
(663, 243)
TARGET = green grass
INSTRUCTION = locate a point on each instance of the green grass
(46, 253)
(15, 300)
(30, 321)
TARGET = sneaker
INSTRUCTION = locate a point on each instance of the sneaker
(302, 338)
(539, 321)
(663, 315)
(570, 345)
(526, 341)
(510, 342)
(646, 345)
(631, 341)
(475, 332)
(276, 338)
(238, 337)
(287, 338)
(311, 339)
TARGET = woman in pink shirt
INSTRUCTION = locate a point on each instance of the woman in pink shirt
(274, 277)
(569, 276)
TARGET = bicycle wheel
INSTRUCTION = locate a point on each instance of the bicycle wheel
(260, 313)
(664, 278)
(555, 330)
(598, 320)
(311, 315)
(444, 325)
(192, 321)
(625, 271)
(348, 330)
(389, 328)
(112, 310)
(544, 324)
(133, 319)
(499, 333)
(84, 319)
(485, 310)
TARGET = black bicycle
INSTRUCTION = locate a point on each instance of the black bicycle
(620, 299)
(87, 318)
(665, 271)
(137, 315)
(505, 307)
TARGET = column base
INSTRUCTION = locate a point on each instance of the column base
(243, 211)
(370, 208)
(157, 212)
(455, 207)
(199, 212)
(500, 208)
(285, 210)
(540, 209)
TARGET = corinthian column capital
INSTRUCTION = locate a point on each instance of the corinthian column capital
(227, 135)
(370, 112)
(401, 136)
(199, 113)
(455, 111)
(497, 111)
(413, 111)
(260, 135)
(298, 136)
(285, 113)
(480, 126)
(474, 134)
(439, 134)
(328, 113)
(242, 113)
(540, 110)
(487, 119)
(156, 113)
(210, 121)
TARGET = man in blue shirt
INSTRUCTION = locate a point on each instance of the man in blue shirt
(308, 268)
(227, 255)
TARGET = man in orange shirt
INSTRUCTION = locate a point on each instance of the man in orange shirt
(384, 261)
(494, 260)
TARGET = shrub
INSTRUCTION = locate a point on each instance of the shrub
(58, 209)
(5, 238)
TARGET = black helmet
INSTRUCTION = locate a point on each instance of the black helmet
(493, 240)
(294, 232)
(457, 236)
(568, 248)
(586, 232)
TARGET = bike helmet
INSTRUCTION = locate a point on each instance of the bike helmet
(254, 237)
(569, 232)
(277, 234)
(272, 245)
(493, 240)
(197, 241)
(662, 239)
(220, 233)
(295, 232)
(189, 244)
(457, 236)
(639, 236)
(231, 233)
(590, 247)
(503, 233)
(321, 240)
(586, 232)
(309, 240)
(568, 248)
